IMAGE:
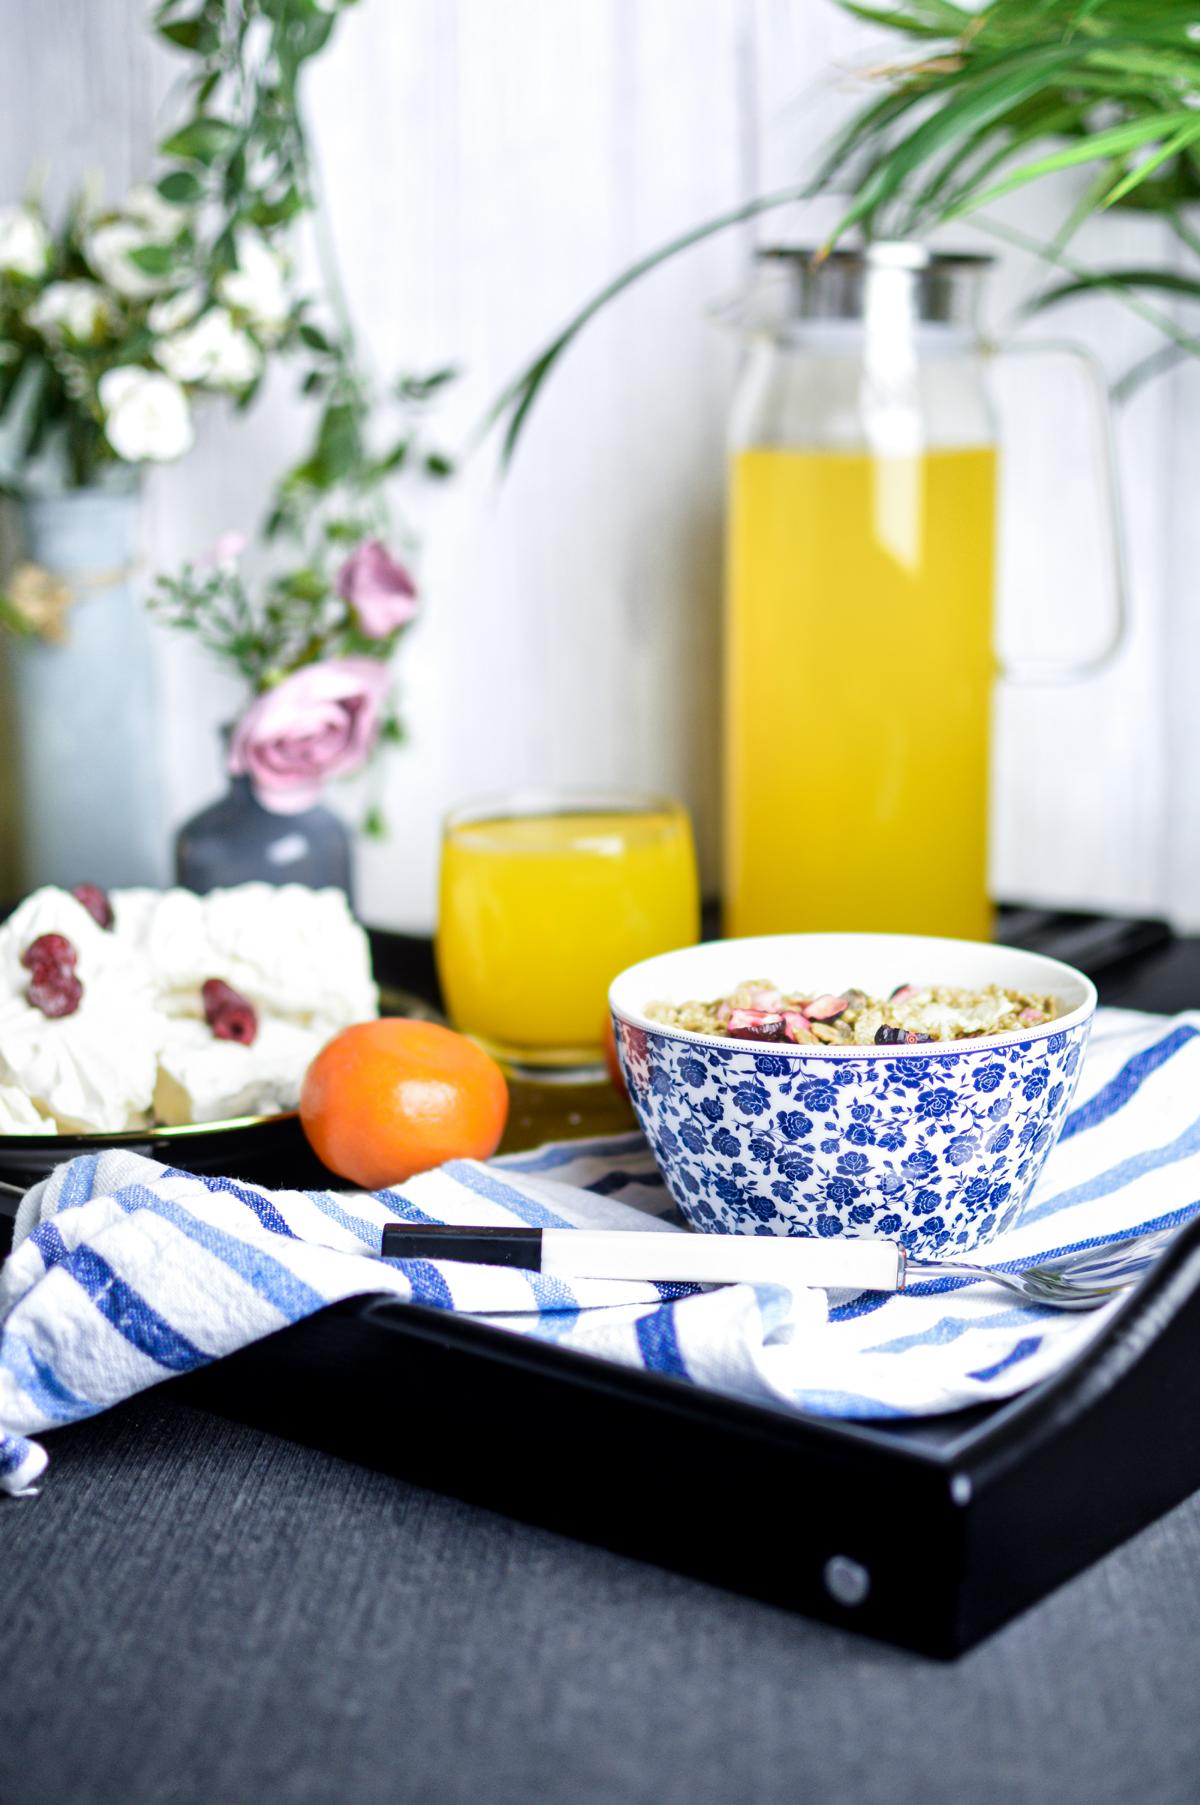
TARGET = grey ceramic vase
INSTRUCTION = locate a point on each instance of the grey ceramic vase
(237, 841)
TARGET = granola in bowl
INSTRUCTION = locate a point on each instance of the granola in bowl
(759, 1010)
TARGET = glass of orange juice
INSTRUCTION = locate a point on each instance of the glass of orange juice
(544, 897)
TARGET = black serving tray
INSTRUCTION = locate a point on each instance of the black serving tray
(927, 1534)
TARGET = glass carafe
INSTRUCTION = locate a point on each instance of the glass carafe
(859, 641)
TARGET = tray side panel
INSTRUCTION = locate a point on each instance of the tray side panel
(1095, 1457)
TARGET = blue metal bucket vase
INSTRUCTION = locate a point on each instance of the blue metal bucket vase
(88, 781)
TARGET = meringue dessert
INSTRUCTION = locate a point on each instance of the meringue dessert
(139, 1007)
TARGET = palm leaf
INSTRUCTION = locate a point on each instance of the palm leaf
(1156, 363)
(1098, 147)
(983, 103)
(933, 19)
(1165, 280)
(934, 200)
(1187, 134)
(517, 399)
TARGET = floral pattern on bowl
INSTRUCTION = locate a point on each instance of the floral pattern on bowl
(934, 1147)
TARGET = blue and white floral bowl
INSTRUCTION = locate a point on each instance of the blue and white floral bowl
(936, 1146)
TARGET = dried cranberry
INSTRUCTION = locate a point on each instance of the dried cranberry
(55, 992)
(773, 1028)
(95, 901)
(228, 1014)
(49, 952)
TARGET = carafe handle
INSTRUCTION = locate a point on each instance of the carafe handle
(1067, 670)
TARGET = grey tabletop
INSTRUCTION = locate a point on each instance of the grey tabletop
(195, 1611)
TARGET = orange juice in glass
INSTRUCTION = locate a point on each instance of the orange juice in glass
(544, 898)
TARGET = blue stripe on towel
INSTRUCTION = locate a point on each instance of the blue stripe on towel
(1127, 1172)
(670, 1289)
(49, 1243)
(950, 1328)
(550, 1293)
(361, 1227)
(77, 1182)
(262, 1206)
(566, 1153)
(486, 1184)
(399, 1205)
(870, 1301)
(1172, 1219)
(1116, 1093)
(39, 1381)
(259, 1269)
(621, 1181)
(13, 1453)
(555, 1325)
(1029, 1344)
(659, 1344)
(428, 1285)
(844, 1403)
(130, 1314)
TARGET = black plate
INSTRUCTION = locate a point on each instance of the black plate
(255, 1147)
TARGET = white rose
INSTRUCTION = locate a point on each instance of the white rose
(81, 310)
(146, 415)
(257, 288)
(161, 219)
(171, 312)
(107, 249)
(24, 242)
(212, 351)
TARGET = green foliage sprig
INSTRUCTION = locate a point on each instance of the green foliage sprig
(243, 156)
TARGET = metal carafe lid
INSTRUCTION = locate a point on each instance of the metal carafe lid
(937, 286)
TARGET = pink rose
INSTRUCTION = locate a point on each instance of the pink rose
(320, 722)
(378, 588)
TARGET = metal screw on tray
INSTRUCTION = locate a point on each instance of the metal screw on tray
(847, 1581)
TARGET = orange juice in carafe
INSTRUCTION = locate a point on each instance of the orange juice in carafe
(859, 672)
(858, 634)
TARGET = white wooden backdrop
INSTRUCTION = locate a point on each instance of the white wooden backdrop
(488, 163)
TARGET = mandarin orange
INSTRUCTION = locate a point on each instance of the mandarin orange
(391, 1098)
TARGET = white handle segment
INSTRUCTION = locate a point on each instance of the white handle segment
(580, 1253)
(1073, 670)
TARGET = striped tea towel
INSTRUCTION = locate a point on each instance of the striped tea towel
(125, 1272)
